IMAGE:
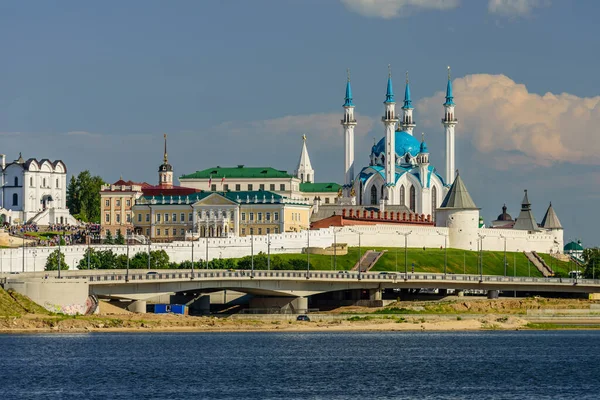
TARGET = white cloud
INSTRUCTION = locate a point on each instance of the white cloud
(323, 128)
(514, 126)
(396, 8)
(515, 7)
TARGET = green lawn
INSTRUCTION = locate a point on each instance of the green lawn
(432, 260)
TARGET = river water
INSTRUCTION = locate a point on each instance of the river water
(419, 365)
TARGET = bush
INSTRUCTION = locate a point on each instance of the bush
(53, 261)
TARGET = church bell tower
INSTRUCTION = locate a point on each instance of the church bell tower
(165, 171)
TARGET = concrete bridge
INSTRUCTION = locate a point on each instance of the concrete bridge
(283, 288)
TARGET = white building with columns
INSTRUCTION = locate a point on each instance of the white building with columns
(34, 192)
(399, 173)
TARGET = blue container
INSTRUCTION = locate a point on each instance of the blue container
(178, 309)
(162, 308)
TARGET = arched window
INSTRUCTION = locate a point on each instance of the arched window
(382, 159)
(44, 182)
(56, 182)
(16, 181)
(15, 199)
(413, 196)
(433, 200)
(373, 195)
(31, 181)
(308, 178)
(402, 196)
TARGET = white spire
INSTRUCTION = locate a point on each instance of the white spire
(449, 121)
(304, 171)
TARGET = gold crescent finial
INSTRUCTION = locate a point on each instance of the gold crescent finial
(422, 136)
(389, 70)
(348, 73)
(448, 72)
(304, 137)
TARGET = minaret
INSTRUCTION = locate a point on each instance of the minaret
(348, 122)
(304, 172)
(449, 122)
(389, 121)
(165, 171)
(423, 161)
(407, 109)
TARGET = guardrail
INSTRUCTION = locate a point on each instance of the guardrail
(322, 275)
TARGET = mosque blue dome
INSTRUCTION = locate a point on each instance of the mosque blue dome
(405, 143)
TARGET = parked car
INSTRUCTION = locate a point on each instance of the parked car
(303, 318)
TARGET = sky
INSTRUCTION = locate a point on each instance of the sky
(97, 84)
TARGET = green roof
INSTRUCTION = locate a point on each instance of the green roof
(237, 172)
(319, 187)
(255, 197)
(573, 246)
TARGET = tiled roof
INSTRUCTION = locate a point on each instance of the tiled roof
(237, 172)
(308, 187)
(458, 196)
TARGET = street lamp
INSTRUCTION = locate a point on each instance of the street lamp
(268, 251)
(23, 251)
(505, 262)
(481, 257)
(359, 251)
(59, 263)
(405, 234)
(193, 231)
(307, 253)
(252, 252)
(445, 235)
(127, 243)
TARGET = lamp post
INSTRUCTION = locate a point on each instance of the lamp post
(481, 257)
(359, 252)
(308, 253)
(206, 241)
(193, 232)
(59, 263)
(334, 249)
(23, 251)
(505, 262)
(252, 252)
(405, 234)
(127, 243)
(34, 255)
(445, 235)
(268, 252)
(88, 237)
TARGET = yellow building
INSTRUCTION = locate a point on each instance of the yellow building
(218, 214)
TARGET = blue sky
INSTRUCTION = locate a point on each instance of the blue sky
(96, 84)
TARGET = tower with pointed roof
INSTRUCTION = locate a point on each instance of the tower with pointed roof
(389, 121)
(165, 171)
(407, 124)
(526, 221)
(304, 171)
(449, 122)
(348, 123)
(550, 220)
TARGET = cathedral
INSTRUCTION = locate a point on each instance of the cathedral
(399, 176)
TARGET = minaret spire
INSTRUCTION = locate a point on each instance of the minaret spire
(449, 122)
(304, 172)
(407, 123)
(165, 158)
(348, 123)
(389, 96)
(165, 171)
(389, 121)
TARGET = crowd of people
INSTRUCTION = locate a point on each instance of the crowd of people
(70, 234)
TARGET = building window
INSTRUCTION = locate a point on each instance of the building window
(158, 232)
(373, 195)
(276, 230)
(243, 231)
(268, 231)
(272, 187)
(326, 202)
(191, 217)
(250, 187)
(262, 186)
(166, 234)
(31, 181)
(402, 196)
(268, 216)
(243, 216)
(43, 182)
(182, 217)
(139, 220)
(275, 216)
(259, 232)
(166, 217)
(118, 203)
(251, 216)
(16, 181)
(213, 187)
(107, 218)
(259, 216)
(225, 188)
(107, 203)
(181, 232)
(282, 187)
(232, 215)
(238, 187)
(118, 218)
(412, 198)
(148, 217)
(128, 205)
(174, 219)
(128, 220)
(57, 186)
(15, 199)
(148, 232)
(157, 217)
(252, 231)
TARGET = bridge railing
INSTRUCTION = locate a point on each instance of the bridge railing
(326, 275)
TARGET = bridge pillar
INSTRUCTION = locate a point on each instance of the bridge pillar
(138, 307)
(375, 294)
(493, 294)
(460, 293)
(201, 305)
(300, 305)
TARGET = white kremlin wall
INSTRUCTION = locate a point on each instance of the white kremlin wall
(11, 260)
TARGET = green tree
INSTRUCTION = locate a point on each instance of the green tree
(108, 259)
(591, 257)
(53, 261)
(94, 260)
(139, 261)
(119, 239)
(83, 196)
(159, 259)
(108, 239)
(73, 201)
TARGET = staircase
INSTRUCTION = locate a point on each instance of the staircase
(541, 260)
(368, 260)
(540, 265)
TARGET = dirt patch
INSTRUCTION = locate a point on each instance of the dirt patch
(106, 308)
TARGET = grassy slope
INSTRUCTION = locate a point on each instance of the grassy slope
(14, 305)
(432, 260)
